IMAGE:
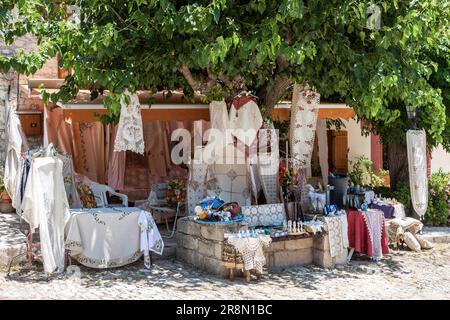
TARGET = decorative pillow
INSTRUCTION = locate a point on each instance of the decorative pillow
(424, 243)
(264, 215)
(86, 196)
(411, 241)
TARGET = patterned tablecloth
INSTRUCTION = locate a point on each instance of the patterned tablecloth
(364, 238)
(112, 237)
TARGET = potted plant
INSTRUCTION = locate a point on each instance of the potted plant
(4, 196)
(5, 199)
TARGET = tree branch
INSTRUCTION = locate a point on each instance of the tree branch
(275, 93)
(203, 87)
(195, 85)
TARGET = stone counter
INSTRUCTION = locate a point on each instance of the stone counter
(201, 245)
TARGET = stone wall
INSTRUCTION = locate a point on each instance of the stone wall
(201, 245)
(16, 85)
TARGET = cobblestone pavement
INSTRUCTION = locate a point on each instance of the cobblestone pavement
(401, 275)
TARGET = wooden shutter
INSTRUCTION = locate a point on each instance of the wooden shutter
(338, 148)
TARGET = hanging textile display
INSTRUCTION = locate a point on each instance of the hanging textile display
(17, 143)
(3, 134)
(196, 185)
(268, 163)
(69, 180)
(245, 119)
(304, 110)
(130, 133)
(45, 206)
(417, 163)
(229, 180)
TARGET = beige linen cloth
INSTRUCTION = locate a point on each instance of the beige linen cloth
(397, 228)
(111, 237)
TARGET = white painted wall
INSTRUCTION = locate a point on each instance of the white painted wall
(358, 144)
(440, 159)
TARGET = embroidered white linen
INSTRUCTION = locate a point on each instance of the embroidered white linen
(112, 237)
(130, 134)
(45, 206)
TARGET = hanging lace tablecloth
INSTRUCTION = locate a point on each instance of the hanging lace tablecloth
(305, 107)
(375, 221)
(252, 252)
(130, 133)
(337, 228)
(304, 110)
(417, 163)
(268, 163)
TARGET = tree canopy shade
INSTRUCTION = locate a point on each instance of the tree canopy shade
(212, 46)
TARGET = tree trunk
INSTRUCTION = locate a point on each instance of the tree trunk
(398, 163)
(272, 96)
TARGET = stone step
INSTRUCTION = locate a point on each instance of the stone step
(12, 240)
(437, 234)
(170, 246)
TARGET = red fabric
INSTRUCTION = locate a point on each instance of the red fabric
(358, 234)
(238, 102)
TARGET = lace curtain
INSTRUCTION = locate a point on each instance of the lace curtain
(130, 133)
(417, 163)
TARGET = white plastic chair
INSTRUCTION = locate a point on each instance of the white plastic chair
(156, 202)
(100, 194)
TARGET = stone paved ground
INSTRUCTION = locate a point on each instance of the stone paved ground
(401, 275)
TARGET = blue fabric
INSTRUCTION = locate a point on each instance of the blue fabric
(211, 203)
(23, 181)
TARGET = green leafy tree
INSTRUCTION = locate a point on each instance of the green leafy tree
(218, 47)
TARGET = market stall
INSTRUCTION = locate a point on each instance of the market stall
(248, 202)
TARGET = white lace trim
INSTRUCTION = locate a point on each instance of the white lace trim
(374, 220)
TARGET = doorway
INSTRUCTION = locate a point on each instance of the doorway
(338, 151)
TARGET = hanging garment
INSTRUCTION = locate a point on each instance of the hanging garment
(268, 163)
(69, 180)
(45, 206)
(304, 111)
(252, 252)
(375, 221)
(245, 121)
(220, 134)
(23, 181)
(130, 133)
(417, 164)
(17, 143)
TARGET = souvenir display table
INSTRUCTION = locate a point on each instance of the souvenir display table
(112, 237)
(367, 237)
(391, 209)
(207, 247)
